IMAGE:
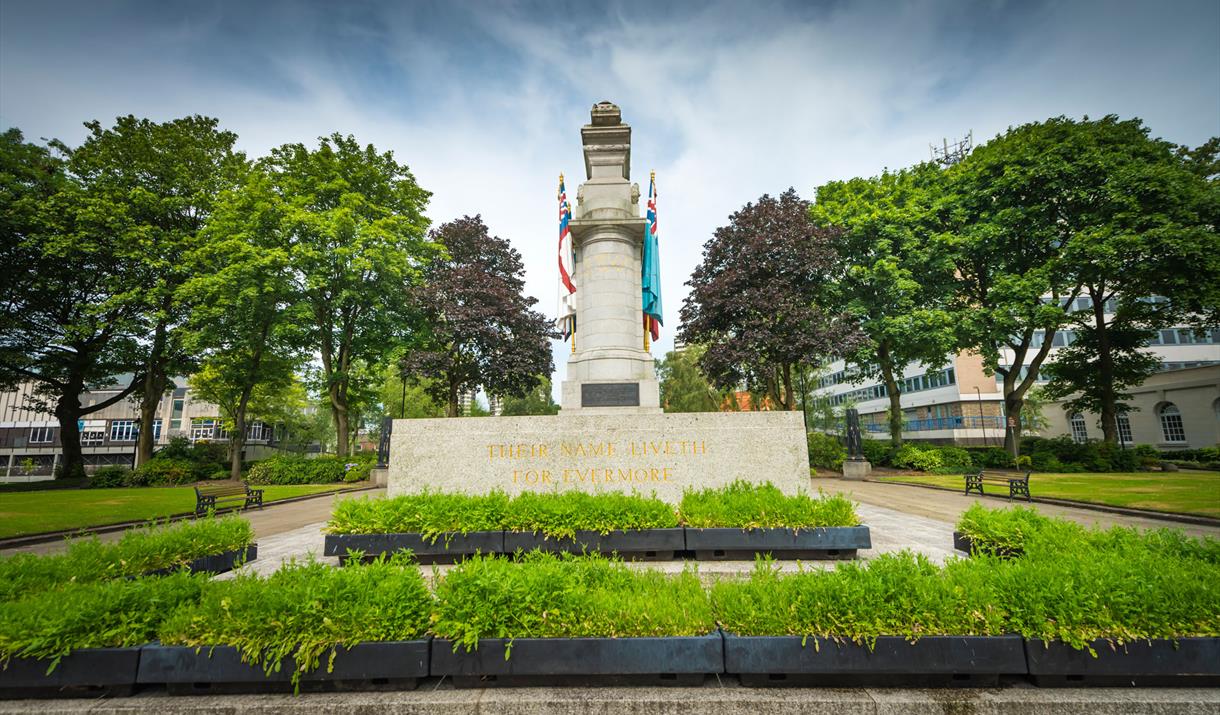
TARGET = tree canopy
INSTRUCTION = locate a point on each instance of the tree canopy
(760, 299)
(481, 329)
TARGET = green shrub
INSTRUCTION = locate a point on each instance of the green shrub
(427, 513)
(108, 614)
(825, 451)
(1024, 462)
(109, 477)
(565, 596)
(162, 473)
(1000, 530)
(989, 457)
(137, 552)
(305, 611)
(1147, 455)
(562, 514)
(879, 453)
(204, 458)
(744, 505)
(892, 594)
(933, 459)
(295, 469)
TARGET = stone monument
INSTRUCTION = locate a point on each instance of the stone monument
(610, 434)
(609, 371)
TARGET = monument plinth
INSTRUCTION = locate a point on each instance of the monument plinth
(610, 434)
(609, 372)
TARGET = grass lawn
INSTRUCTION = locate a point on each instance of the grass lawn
(34, 512)
(1185, 492)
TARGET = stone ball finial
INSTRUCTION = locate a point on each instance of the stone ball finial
(606, 114)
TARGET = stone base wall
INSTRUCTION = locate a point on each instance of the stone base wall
(647, 453)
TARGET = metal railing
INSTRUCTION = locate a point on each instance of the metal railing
(932, 424)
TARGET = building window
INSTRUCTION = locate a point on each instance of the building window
(1080, 430)
(175, 418)
(1124, 429)
(156, 430)
(1171, 423)
(202, 429)
(41, 435)
(123, 431)
(92, 436)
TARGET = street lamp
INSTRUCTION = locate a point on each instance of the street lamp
(982, 420)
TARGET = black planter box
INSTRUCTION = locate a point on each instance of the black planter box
(447, 548)
(86, 673)
(931, 661)
(834, 542)
(635, 544)
(679, 660)
(185, 670)
(961, 542)
(1193, 662)
(217, 563)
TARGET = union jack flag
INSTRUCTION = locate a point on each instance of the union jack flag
(565, 319)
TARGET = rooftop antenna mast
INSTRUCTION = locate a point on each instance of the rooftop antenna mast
(950, 153)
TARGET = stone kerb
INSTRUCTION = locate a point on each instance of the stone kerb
(647, 453)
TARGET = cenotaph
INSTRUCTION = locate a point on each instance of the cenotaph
(610, 434)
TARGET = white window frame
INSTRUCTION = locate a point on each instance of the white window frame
(92, 435)
(42, 435)
(124, 430)
(199, 426)
(1173, 431)
(1080, 428)
(156, 430)
(1124, 428)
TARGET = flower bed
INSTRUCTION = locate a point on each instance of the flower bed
(551, 617)
(214, 545)
(306, 624)
(733, 522)
(92, 631)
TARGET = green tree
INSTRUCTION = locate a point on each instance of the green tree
(159, 182)
(897, 284)
(761, 300)
(357, 235)
(537, 401)
(1007, 213)
(246, 323)
(684, 387)
(482, 330)
(67, 318)
(406, 397)
(1148, 213)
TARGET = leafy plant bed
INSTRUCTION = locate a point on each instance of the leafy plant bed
(839, 542)
(931, 661)
(964, 543)
(634, 544)
(186, 670)
(84, 673)
(1192, 662)
(216, 563)
(681, 660)
(755, 506)
(427, 548)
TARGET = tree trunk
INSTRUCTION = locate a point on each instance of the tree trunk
(1013, 404)
(339, 413)
(153, 389)
(789, 396)
(68, 411)
(895, 394)
(237, 439)
(452, 409)
(1105, 370)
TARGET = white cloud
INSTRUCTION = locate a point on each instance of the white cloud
(727, 101)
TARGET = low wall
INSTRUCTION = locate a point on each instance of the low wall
(661, 453)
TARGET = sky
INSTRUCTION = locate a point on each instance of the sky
(727, 100)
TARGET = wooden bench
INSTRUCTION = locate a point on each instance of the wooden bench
(212, 496)
(1017, 485)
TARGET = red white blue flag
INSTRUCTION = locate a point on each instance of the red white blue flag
(565, 319)
(650, 266)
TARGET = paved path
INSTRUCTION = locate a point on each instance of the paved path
(947, 506)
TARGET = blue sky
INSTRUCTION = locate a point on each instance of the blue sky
(728, 101)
